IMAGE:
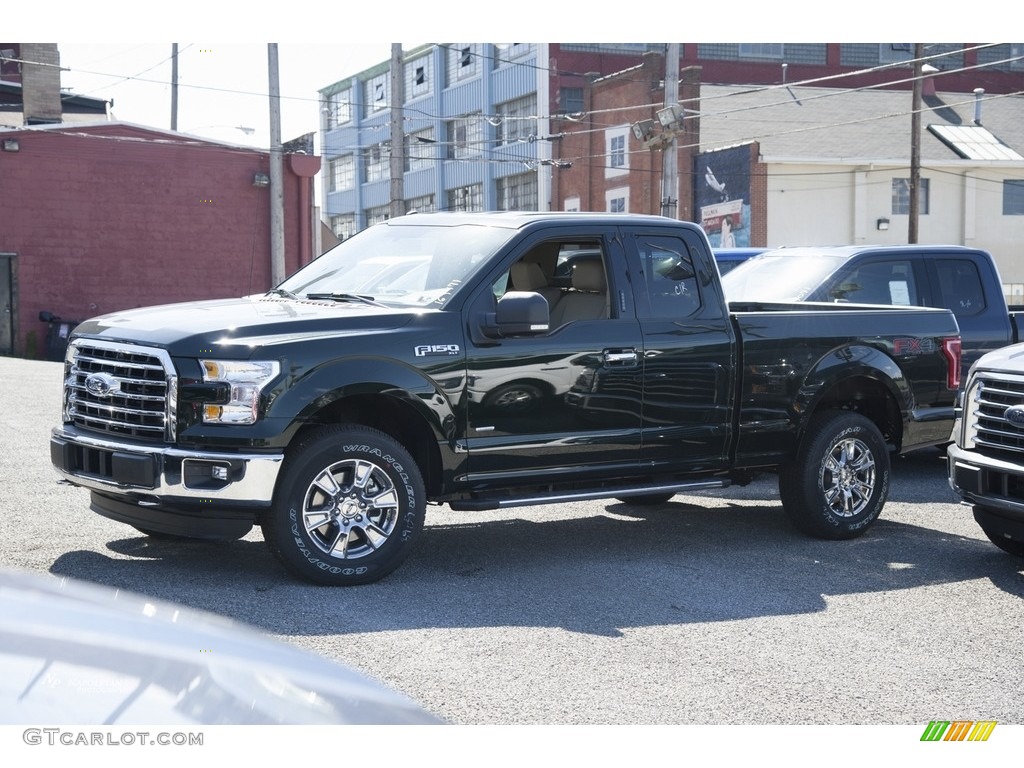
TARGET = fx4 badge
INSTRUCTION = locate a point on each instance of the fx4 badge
(423, 350)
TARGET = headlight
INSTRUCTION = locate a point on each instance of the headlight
(246, 379)
(969, 413)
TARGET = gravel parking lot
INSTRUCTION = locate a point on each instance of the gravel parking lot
(709, 609)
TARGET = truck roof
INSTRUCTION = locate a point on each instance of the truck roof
(520, 219)
(847, 251)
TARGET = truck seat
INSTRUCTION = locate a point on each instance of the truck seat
(587, 300)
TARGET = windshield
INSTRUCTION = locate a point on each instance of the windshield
(783, 277)
(410, 264)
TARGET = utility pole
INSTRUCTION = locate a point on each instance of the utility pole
(277, 263)
(397, 166)
(670, 152)
(915, 146)
(174, 86)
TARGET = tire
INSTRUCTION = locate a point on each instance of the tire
(989, 522)
(838, 483)
(349, 505)
(646, 499)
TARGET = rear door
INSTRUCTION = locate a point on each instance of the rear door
(957, 284)
(689, 351)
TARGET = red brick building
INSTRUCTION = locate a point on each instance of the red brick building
(103, 217)
(609, 163)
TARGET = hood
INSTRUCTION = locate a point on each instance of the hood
(250, 321)
(1007, 359)
(79, 653)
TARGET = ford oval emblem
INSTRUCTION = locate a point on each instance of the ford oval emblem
(105, 385)
(1015, 415)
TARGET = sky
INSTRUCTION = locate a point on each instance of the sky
(223, 81)
(222, 87)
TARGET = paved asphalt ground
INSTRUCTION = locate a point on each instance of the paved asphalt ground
(705, 610)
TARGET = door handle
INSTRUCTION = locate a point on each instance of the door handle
(621, 358)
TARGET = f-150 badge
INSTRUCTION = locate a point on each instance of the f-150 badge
(425, 350)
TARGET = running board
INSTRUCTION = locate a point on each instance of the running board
(480, 505)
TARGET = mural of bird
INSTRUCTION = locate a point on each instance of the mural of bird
(714, 183)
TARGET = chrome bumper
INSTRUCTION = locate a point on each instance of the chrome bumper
(162, 474)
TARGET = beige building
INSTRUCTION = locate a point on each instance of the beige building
(836, 164)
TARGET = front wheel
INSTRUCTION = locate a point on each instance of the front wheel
(992, 526)
(839, 481)
(349, 505)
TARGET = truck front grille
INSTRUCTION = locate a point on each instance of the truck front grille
(120, 389)
(991, 397)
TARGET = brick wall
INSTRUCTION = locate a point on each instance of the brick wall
(127, 218)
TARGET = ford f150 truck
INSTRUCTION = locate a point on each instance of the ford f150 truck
(961, 279)
(986, 461)
(487, 361)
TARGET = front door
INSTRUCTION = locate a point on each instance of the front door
(563, 404)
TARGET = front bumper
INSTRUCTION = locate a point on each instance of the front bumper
(164, 479)
(987, 482)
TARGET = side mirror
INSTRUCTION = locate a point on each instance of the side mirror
(519, 313)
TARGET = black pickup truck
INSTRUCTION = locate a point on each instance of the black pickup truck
(959, 278)
(487, 361)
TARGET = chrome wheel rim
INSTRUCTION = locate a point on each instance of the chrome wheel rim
(350, 509)
(848, 477)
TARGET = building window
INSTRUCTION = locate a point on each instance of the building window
(517, 119)
(892, 53)
(418, 77)
(571, 101)
(419, 149)
(376, 161)
(1013, 197)
(343, 225)
(465, 137)
(617, 200)
(421, 204)
(617, 162)
(463, 61)
(772, 51)
(508, 51)
(343, 173)
(377, 93)
(901, 197)
(571, 204)
(377, 214)
(339, 108)
(469, 198)
(517, 193)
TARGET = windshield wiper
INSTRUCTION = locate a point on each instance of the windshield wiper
(344, 297)
(281, 292)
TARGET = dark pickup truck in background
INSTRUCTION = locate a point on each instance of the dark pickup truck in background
(963, 280)
(487, 361)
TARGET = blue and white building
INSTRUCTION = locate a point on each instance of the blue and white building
(470, 122)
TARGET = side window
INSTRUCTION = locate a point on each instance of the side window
(960, 286)
(668, 276)
(878, 282)
(570, 275)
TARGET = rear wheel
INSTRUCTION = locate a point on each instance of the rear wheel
(349, 505)
(839, 481)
